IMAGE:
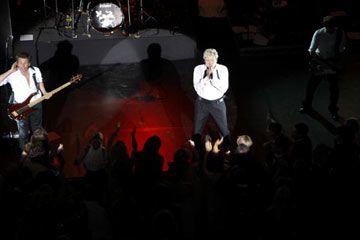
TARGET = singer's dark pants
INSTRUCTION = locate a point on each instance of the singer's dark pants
(32, 122)
(215, 108)
(314, 82)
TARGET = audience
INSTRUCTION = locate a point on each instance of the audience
(205, 193)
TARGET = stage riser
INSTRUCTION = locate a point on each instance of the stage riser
(114, 50)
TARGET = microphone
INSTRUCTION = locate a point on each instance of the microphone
(206, 74)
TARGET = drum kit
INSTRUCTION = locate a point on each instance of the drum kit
(105, 16)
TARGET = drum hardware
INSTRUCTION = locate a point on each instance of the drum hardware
(57, 17)
(69, 21)
(129, 12)
(45, 8)
(81, 6)
(148, 16)
(87, 33)
(73, 32)
(104, 17)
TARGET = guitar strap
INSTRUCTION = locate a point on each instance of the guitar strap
(34, 78)
(11, 98)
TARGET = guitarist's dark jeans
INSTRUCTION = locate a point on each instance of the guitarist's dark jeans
(32, 122)
(314, 82)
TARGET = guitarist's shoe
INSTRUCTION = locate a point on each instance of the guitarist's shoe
(304, 108)
(334, 113)
(335, 116)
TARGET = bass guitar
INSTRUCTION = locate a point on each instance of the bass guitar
(322, 67)
(19, 111)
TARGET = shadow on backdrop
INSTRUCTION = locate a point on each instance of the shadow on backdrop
(57, 71)
(163, 82)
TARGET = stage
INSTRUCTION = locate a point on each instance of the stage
(108, 49)
(99, 33)
(118, 87)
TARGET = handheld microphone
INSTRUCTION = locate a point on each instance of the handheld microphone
(206, 73)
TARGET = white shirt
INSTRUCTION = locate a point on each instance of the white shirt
(95, 159)
(20, 86)
(323, 43)
(211, 89)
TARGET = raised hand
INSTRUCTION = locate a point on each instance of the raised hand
(217, 143)
(13, 67)
(208, 145)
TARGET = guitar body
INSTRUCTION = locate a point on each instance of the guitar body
(320, 67)
(19, 111)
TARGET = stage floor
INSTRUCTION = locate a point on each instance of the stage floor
(122, 93)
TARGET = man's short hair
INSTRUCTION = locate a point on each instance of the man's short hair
(211, 52)
(329, 21)
(244, 140)
(23, 55)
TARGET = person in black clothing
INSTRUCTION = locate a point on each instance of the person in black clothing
(326, 45)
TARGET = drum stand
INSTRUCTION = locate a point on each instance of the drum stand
(73, 32)
(57, 17)
(148, 16)
(129, 12)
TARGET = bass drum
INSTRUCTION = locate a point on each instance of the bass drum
(105, 16)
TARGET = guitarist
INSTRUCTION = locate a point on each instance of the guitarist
(326, 45)
(25, 80)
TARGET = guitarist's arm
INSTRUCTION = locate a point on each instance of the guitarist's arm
(4, 75)
(46, 94)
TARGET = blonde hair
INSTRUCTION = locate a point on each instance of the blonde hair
(244, 140)
(210, 52)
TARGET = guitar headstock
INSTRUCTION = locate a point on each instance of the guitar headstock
(76, 78)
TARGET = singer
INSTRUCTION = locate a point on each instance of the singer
(211, 81)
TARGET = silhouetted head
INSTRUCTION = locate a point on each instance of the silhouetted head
(182, 157)
(65, 46)
(300, 131)
(39, 141)
(329, 23)
(243, 142)
(274, 128)
(344, 136)
(152, 144)
(154, 50)
(302, 128)
(119, 151)
(97, 140)
(39, 134)
(353, 124)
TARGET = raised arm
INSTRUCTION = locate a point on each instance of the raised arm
(4, 75)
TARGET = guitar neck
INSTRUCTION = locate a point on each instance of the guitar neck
(58, 89)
